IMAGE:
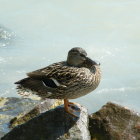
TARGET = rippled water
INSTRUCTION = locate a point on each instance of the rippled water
(34, 34)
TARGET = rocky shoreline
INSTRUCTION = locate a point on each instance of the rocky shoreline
(23, 119)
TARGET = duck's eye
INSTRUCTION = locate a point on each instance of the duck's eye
(74, 53)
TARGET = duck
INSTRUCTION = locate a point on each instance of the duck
(70, 79)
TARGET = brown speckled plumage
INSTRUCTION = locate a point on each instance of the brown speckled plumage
(69, 79)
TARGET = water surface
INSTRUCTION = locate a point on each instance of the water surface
(38, 33)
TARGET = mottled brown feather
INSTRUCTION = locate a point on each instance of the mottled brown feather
(70, 81)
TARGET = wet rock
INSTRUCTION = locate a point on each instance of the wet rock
(10, 107)
(38, 109)
(114, 122)
(20, 110)
(54, 124)
(13, 106)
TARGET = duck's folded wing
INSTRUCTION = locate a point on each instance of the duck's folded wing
(60, 80)
(56, 76)
(45, 71)
(53, 76)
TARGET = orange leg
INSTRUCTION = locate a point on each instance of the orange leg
(66, 103)
(67, 109)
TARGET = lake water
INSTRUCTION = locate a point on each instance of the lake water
(35, 34)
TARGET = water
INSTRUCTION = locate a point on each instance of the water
(38, 33)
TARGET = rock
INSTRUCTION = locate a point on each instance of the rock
(20, 110)
(11, 107)
(54, 124)
(38, 109)
(114, 122)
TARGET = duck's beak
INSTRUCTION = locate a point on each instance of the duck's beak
(97, 62)
(91, 62)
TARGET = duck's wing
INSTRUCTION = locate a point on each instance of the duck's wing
(54, 82)
(57, 75)
(39, 82)
(51, 77)
(44, 72)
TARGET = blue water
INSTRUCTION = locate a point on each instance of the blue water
(38, 33)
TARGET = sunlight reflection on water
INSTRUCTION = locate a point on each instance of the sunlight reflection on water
(42, 32)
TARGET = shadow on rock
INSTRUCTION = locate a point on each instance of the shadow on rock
(51, 125)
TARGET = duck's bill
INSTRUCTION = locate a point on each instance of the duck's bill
(90, 61)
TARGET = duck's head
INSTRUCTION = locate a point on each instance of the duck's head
(78, 57)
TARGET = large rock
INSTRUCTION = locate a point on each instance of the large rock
(10, 107)
(38, 109)
(114, 122)
(54, 124)
(20, 110)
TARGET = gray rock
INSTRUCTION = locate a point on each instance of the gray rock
(114, 122)
(10, 107)
(38, 109)
(54, 124)
(19, 110)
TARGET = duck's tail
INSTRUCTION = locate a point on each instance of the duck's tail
(28, 86)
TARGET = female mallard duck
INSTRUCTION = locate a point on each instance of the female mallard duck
(70, 79)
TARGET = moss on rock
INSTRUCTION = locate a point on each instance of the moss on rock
(26, 116)
(3, 101)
